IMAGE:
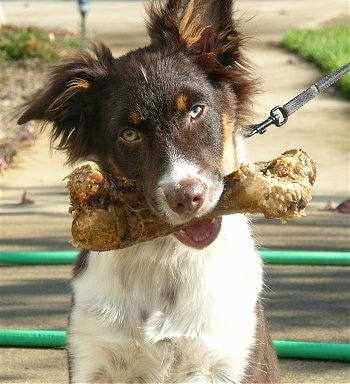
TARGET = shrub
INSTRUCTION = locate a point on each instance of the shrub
(30, 43)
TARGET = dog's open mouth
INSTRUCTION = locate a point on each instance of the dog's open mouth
(200, 235)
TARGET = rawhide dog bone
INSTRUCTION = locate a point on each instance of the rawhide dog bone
(114, 214)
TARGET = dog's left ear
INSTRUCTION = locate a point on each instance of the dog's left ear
(207, 32)
(203, 27)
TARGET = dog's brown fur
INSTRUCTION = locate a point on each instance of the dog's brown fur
(172, 108)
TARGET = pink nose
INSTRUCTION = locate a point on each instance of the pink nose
(186, 197)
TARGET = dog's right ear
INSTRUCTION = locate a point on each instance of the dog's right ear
(69, 101)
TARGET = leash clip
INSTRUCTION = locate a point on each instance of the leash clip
(278, 117)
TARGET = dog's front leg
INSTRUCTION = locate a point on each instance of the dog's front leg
(102, 361)
(219, 372)
(198, 364)
(91, 364)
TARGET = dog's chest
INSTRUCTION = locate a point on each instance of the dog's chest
(165, 300)
(146, 295)
(161, 289)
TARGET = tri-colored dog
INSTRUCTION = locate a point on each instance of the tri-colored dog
(186, 307)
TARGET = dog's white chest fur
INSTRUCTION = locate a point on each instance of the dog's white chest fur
(158, 311)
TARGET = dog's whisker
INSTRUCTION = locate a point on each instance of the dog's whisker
(144, 73)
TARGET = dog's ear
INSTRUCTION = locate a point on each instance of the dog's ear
(69, 101)
(203, 27)
(208, 33)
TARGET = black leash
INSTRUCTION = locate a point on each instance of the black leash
(279, 115)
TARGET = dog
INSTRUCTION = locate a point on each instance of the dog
(186, 307)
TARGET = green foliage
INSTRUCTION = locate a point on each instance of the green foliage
(328, 48)
(31, 43)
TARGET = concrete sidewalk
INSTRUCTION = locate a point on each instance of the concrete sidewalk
(304, 303)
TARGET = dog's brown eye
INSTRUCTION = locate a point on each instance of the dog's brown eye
(129, 135)
(196, 111)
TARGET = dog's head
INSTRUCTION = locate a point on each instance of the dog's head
(165, 115)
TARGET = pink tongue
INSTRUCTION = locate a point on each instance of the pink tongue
(201, 234)
(199, 231)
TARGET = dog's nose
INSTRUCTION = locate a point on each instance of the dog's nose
(186, 197)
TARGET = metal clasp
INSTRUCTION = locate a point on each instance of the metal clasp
(278, 117)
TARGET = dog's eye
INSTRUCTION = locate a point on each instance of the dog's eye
(196, 111)
(129, 135)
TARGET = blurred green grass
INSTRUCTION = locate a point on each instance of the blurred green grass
(328, 48)
(23, 44)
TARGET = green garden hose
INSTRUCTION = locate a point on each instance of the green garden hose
(269, 257)
(284, 349)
